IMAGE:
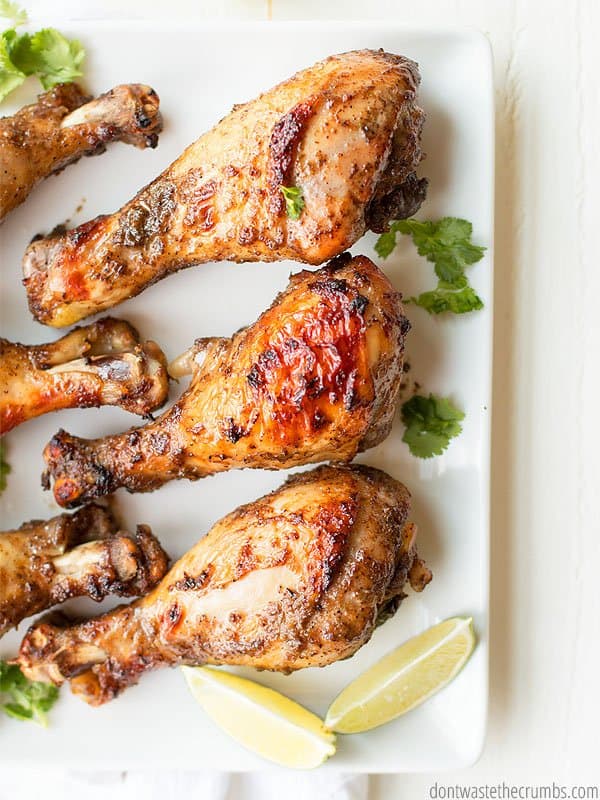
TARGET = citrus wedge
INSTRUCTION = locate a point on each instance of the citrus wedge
(262, 720)
(403, 679)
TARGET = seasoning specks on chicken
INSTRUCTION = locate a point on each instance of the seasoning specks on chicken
(296, 579)
(100, 364)
(344, 132)
(315, 379)
(65, 124)
(84, 554)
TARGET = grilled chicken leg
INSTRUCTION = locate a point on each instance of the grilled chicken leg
(346, 132)
(65, 124)
(44, 563)
(100, 364)
(314, 379)
(296, 579)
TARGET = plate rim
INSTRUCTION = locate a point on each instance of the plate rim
(88, 25)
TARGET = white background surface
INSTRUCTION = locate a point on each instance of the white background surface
(545, 637)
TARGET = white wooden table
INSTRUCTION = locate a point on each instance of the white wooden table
(545, 638)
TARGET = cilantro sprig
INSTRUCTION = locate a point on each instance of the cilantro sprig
(46, 53)
(447, 244)
(430, 424)
(294, 201)
(24, 699)
(5, 468)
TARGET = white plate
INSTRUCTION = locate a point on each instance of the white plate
(199, 73)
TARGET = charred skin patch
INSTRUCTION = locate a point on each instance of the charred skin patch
(197, 195)
(401, 202)
(144, 220)
(283, 145)
(310, 368)
(87, 232)
(334, 525)
(191, 583)
(160, 442)
(75, 471)
(233, 432)
(172, 619)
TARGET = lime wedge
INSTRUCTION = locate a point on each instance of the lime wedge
(262, 720)
(403, 679)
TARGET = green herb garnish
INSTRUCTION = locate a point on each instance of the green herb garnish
(294, 202)
(448, 298)
(430, 424)
(10, 76)
(12, 12)
(447, 245)
(50, 56)
(4, 468)
(47, 54)
(26, 700)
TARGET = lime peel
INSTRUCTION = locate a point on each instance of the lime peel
(261, 719)
(367, 702)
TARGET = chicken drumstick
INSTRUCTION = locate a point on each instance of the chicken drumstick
(314, 379)
(84, 554)
(295, 579)
(100, 364)
(345, 133)
(65, 124)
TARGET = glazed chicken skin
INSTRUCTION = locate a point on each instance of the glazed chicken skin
(296, 579)
(100, 364)
(84, 554)
(346, 132)
(315, 379)
(65, 124)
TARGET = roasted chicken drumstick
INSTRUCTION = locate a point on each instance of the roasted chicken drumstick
(345, 132)
(65, 124)
(84, 554)
(296, 579)
(100, 364)
(314, 379)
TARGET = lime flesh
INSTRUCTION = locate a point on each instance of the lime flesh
(404, 678)
(261, 719)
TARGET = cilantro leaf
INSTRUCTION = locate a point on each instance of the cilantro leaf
(47, 54)
(10, 75)
(5, 468)
(447, 244)
(26, 700)
(11, 11)
(430, 424)
(294, 201)
(19, 48)
(386, 243)
(447, 298)
(50, 55)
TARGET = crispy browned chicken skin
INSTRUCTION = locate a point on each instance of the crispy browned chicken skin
(100, 364)
(315, 378)
(84, 554)
(65, 124)
(295, 579)
(346, 131)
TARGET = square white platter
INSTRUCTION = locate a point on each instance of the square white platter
(200, 71)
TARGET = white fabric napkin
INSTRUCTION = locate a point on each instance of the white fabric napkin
(178, 784)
